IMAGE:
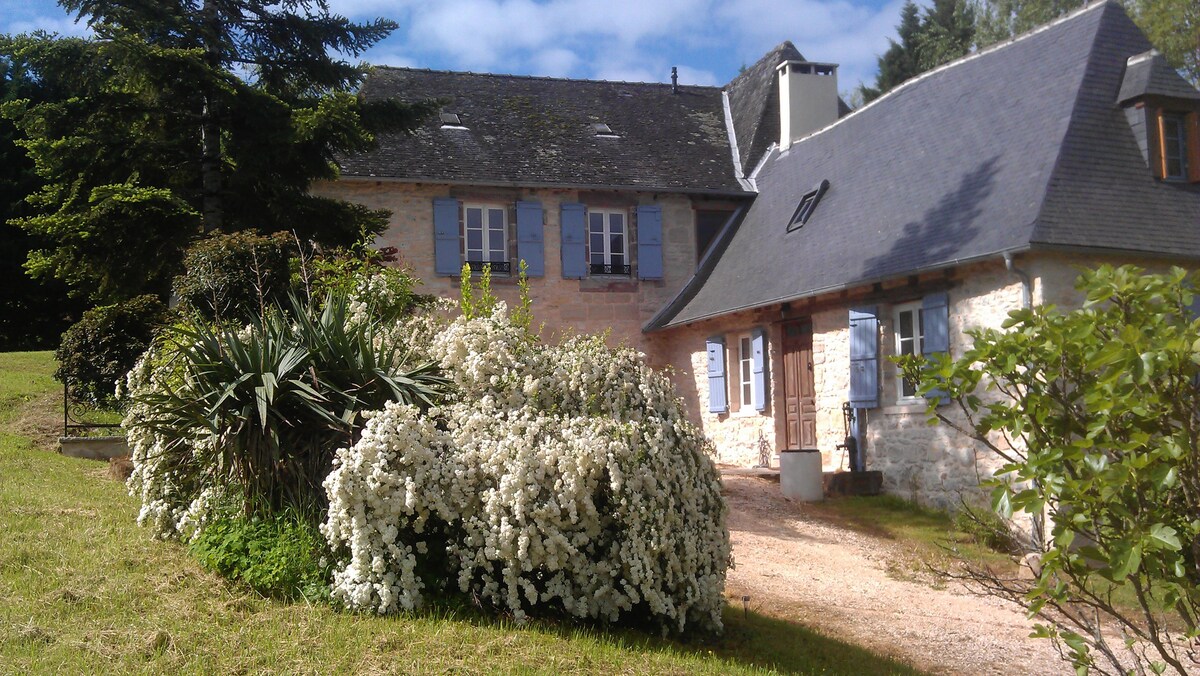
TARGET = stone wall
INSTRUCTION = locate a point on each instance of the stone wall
(617, 305)
(738, 432)
(932, 464)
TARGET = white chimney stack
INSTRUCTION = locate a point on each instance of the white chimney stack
(808, 99)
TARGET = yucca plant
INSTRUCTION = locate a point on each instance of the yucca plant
(282, 395)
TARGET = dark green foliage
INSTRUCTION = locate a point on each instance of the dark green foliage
(282, 556)
(182, 117)
(280, 399)
(236, 277)
(104, 345)
(943, 33)
(33, 314)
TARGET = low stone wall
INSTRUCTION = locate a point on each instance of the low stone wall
(94, 448)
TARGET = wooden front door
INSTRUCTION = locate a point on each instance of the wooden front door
(799, 391)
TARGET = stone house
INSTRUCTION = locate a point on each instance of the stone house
(775, 248)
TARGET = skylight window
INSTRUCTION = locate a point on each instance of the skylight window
(806, 207)
(452, 121)
(602, 129)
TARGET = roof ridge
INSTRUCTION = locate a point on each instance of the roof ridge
(540, 77)
(783, 46)
(907, 84)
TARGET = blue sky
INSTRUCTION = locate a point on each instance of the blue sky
(635, 40)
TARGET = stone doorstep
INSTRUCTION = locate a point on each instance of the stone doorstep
(93, 448)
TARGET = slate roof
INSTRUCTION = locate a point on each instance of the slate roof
(1017, 147)
(534, 131)
(1149, 74)
(754, 105)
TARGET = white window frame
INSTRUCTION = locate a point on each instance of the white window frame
(917, 340)
(488, 245)
(606, 254)
(745, 373)
(1178, 143)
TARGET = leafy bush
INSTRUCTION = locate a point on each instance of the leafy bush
(1094, 413)
(236, 276)
(563, 479)
(259, 412)
(364, 275)
(104, 345)
(282, 556)
(988, 529)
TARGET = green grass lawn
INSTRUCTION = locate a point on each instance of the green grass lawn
(83, 589)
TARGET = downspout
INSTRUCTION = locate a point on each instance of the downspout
(1026, 285)
(1039, 523)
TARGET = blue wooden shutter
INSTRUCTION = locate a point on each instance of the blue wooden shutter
(758, 343)
(530, 238)
(446, 257)
(864, 357)
(935, 315)
(574, 236)
(650, 240)
(717, 401)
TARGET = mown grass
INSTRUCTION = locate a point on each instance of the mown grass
(83, 589)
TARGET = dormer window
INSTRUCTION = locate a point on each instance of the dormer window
(1177, 141)
(603, 130)
(808, 204)
(451, 121)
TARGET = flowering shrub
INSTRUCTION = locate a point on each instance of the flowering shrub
(560, 477)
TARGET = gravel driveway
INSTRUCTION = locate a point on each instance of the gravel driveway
(836, 581)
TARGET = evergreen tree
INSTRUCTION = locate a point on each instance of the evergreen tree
(32, 313)
(944, 32)
(192, 116)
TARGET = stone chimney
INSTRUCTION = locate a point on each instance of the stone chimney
(808, 99)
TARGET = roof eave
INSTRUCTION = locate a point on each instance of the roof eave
(716, 192)
(845, 286)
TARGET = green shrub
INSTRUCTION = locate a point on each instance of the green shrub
(236, 277)
(282, 556)
(364, 275)
(987, 528)
(105, 344)
(261, 410)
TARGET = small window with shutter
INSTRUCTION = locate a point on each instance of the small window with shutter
(1177, 150)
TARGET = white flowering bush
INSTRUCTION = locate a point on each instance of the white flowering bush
(558, 478)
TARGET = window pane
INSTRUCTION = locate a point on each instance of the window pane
(617, 222)
(906, 325)
(616, 259)
(596, 222)
(474, 218)
(616, 244)
(475, 240)
(1175, 146)
(597, 244)
(496, 219)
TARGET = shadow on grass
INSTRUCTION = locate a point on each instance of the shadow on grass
(750, 639)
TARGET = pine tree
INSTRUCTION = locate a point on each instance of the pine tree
(943, 33)
(192, 116)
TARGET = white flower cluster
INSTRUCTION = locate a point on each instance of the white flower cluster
(562, 476)
(165, 477)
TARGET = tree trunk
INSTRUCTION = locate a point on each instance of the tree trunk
(210, 130)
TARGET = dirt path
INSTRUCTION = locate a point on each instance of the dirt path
(836, 581)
